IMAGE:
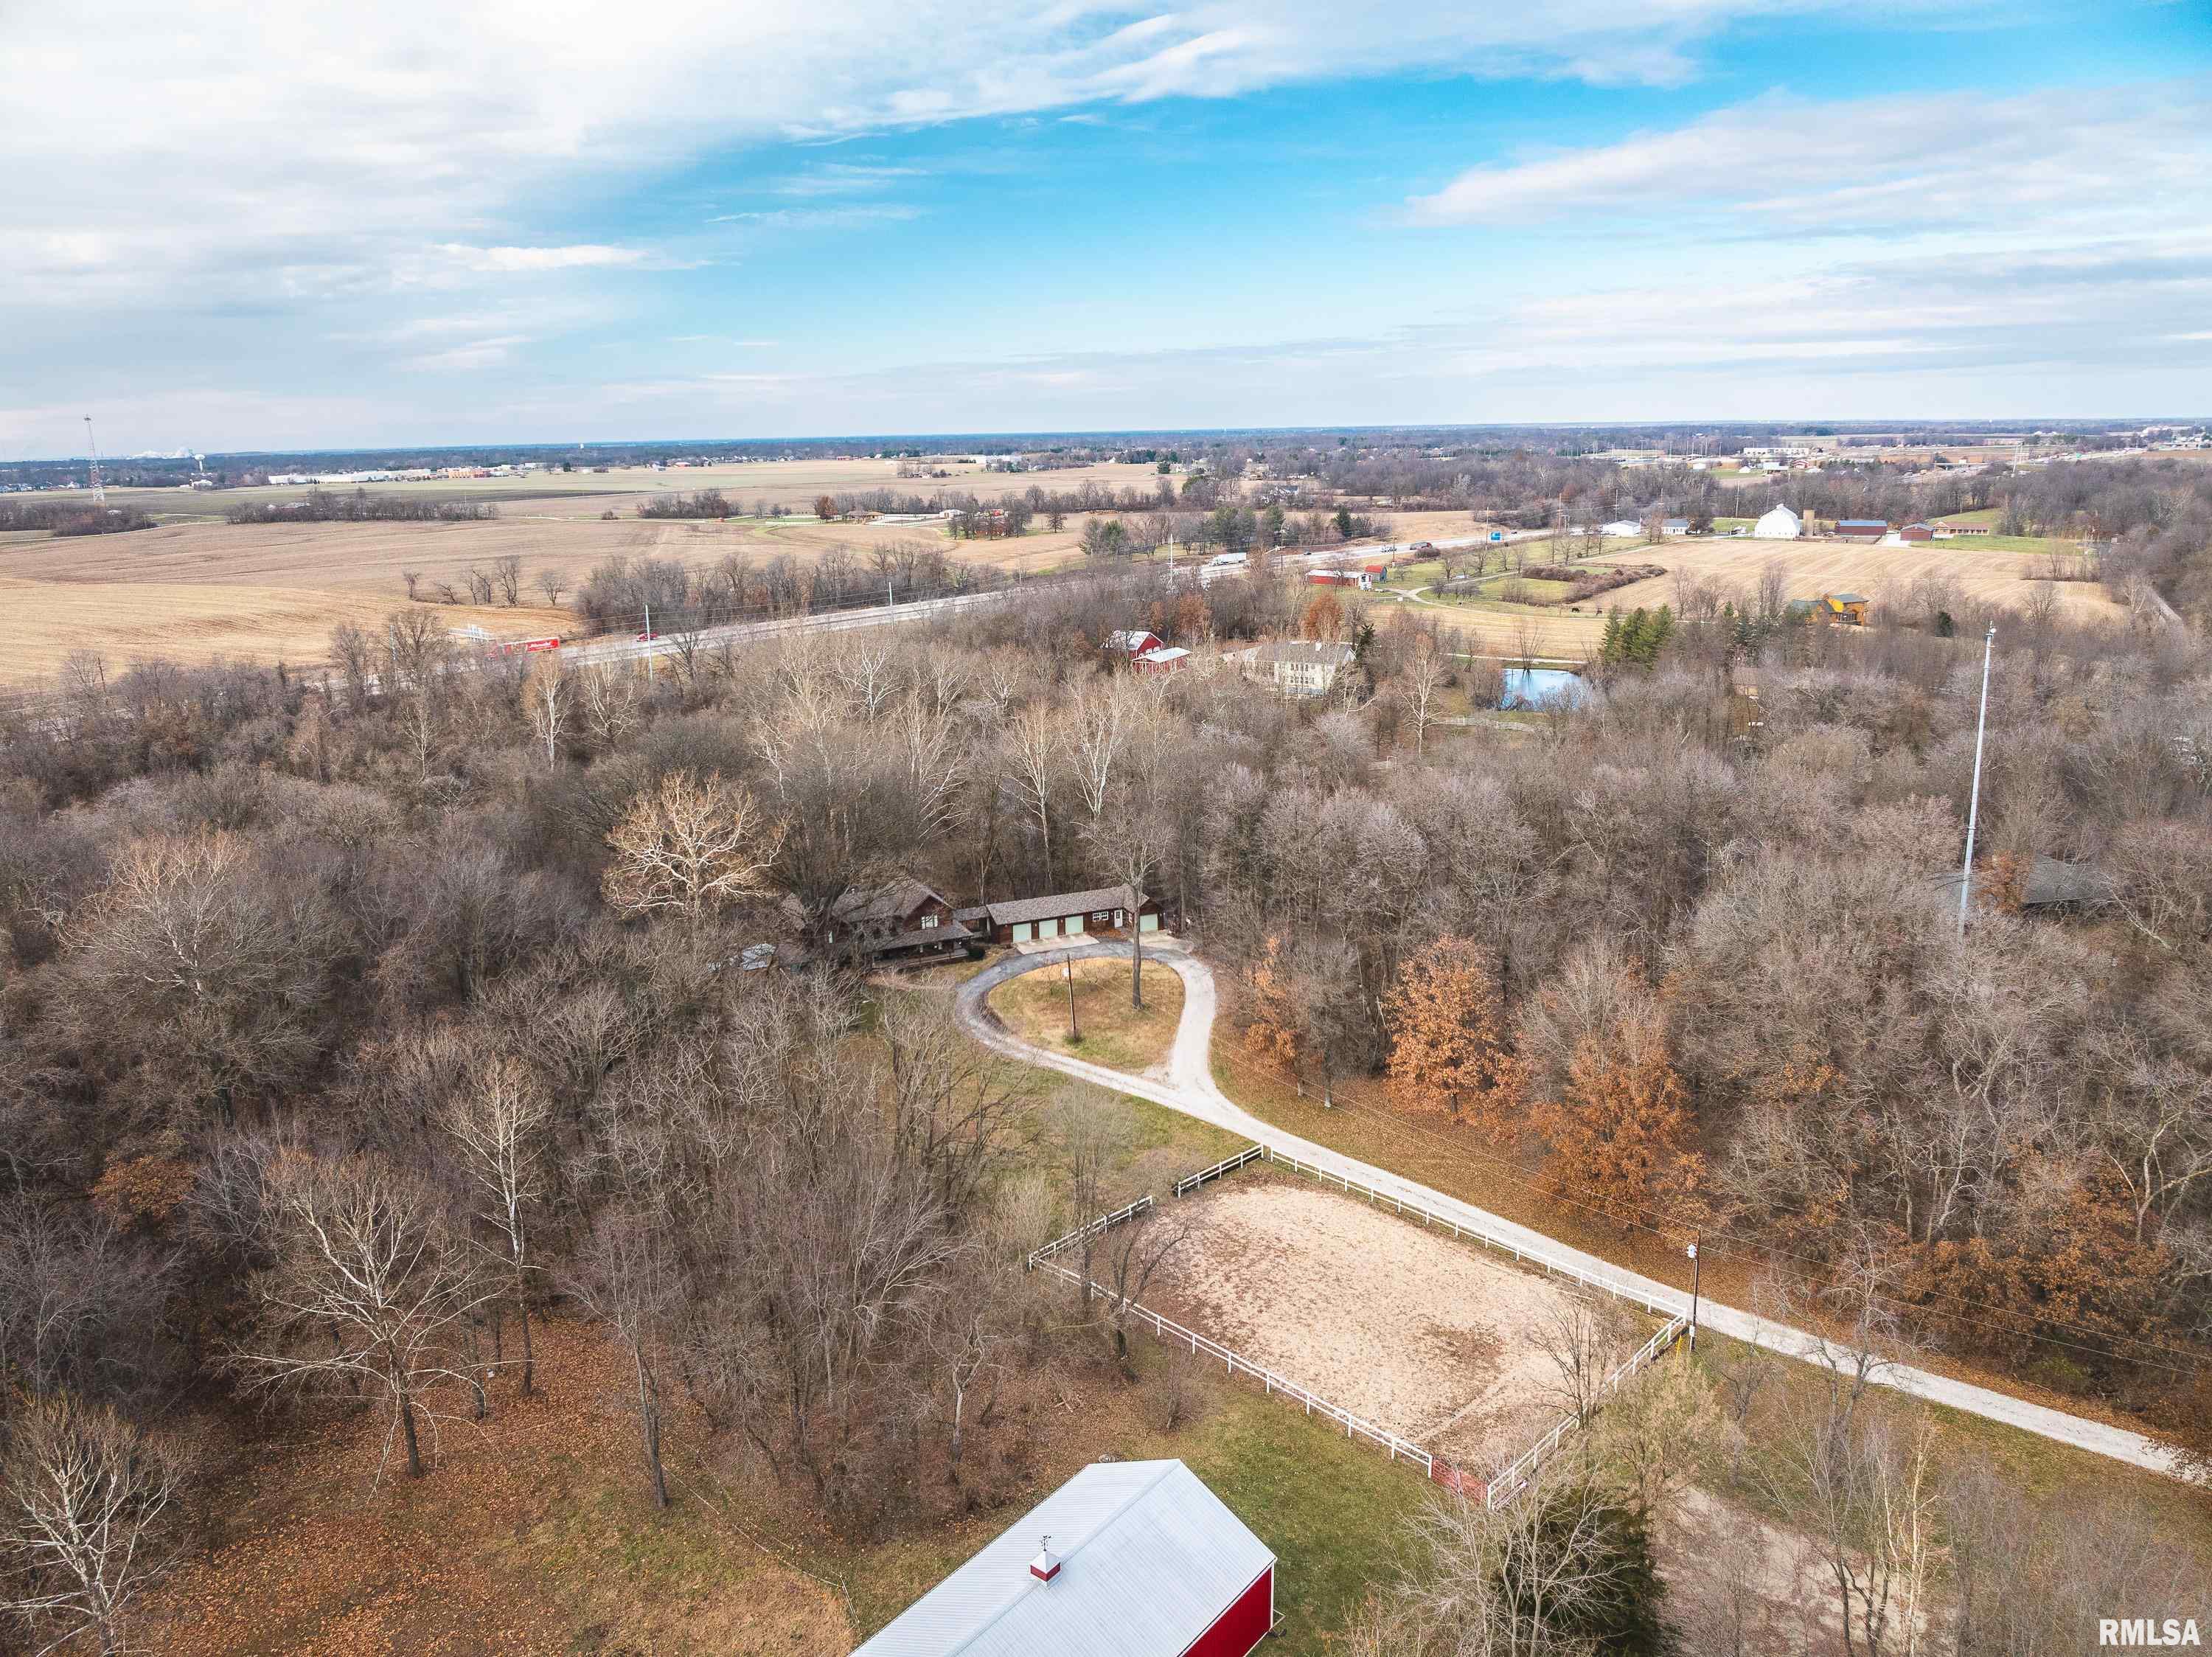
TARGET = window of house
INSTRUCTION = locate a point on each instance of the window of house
(927, 921)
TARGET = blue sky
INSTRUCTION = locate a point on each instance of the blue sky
(316, 225)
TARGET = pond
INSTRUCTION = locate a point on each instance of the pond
(1541, 687)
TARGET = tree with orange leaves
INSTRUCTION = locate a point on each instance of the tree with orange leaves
(1621, 1129)
(1274, 1031)
(1449, 1047)
(1324, 617)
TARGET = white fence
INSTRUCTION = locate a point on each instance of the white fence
(1513, 1478)
(1191, 1182)
(1103, 1223)
(1502, 1243)
(1168, 1330)
(1509, 1480)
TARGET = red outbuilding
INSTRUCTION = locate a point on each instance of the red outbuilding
(1127, 1559)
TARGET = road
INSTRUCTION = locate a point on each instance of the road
(833, 621)
(1190, 1088)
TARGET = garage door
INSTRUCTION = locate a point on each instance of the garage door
(1148, 924)
(1021, 931)
(1075, 925)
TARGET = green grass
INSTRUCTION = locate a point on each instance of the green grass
(1333, 1511)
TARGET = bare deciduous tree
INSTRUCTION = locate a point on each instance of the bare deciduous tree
(87, 1517)
(499, 1126)
(368, 1288)
(689, 847)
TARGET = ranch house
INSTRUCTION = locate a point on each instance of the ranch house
(1071, 915)
(1127, 1559)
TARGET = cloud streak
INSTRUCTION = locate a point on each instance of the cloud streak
(2095, 157)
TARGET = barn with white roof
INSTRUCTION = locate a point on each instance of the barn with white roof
(1127, 1559)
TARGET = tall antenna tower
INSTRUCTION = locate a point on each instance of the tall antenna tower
(99, 489)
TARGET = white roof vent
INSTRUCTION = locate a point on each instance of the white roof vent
(1046, 1565)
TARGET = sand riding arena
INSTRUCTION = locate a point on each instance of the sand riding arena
(1427, 1335)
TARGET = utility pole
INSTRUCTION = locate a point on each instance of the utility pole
(99, 489)
(1974, 799)
(1697, 1272)
(648, 638)
(1074, 1035)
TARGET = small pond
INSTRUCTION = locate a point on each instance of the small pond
(1541, 687)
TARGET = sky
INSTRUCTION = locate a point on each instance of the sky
(315, 225)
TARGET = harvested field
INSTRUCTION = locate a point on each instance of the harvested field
(1991, 575)
(48, 621)
(1410, 1328)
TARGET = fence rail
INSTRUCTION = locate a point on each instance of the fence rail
(1191, 1182)
(1082, 1234)
(1509, 1480)
(1513, 1478)
(1427, 1217)
(1173, 1333)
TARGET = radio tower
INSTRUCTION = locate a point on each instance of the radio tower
(99, 489)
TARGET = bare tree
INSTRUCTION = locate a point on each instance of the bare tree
(413, 578)
(499, 1127)
(545, 693)
(87, 1521)
(613, 696)
(507, 571)
(627, 1274)
(366, 1289)
(1422, 684)
(689, 847)
(1037, 747)
(552, 583)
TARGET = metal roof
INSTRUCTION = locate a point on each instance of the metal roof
(1151, 1559)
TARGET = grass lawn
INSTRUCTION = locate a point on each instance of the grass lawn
(1112, 1032)
(1333, 1511)
(2043, 1470)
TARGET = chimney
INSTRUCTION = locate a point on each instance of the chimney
(1046, 1565)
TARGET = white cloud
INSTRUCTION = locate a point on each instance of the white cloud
(843, 179)
(476, 354)
(821, 218)
(2130, 154)
(499, 261)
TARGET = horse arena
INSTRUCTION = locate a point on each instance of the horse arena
(1408, 1327)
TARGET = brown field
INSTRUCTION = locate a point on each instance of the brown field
(793, 484)
(1408, 1328)
(1881, 573)
(124, 621)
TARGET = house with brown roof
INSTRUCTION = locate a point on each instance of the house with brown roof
(900, 920)
(1071, 915)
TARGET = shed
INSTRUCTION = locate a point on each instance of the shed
(1133, 641)
(1127, 1559)
(1917, 532)
(1071, 914)
(1861, 529)
(1164, 660)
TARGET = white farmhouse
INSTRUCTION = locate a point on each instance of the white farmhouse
(1780, 524)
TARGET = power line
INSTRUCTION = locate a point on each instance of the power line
(1627, 1215)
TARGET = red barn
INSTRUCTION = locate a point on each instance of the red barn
(1127, 1559)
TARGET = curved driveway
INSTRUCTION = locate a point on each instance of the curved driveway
(1190, 1088)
